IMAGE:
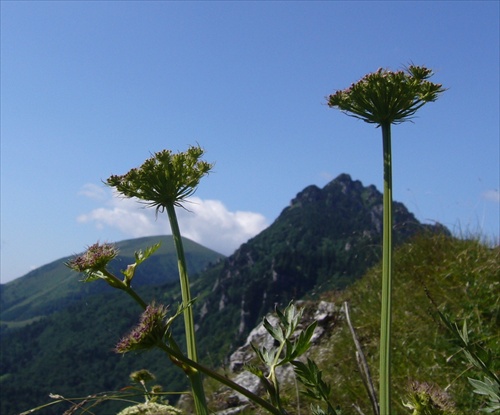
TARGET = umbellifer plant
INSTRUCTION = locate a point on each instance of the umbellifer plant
(385, 98)
(164, 181)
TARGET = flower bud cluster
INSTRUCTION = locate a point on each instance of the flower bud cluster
(150, 331)
(166, 179)
(386, 97)
(95, 258)
(428, 399)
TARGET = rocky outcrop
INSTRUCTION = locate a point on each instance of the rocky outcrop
(229, 402)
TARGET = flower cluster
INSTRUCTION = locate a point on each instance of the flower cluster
(428, 399)
(95, 258)
(150, 331)
(151, 408)
(166, 179)
(386, 97)
(142, 376)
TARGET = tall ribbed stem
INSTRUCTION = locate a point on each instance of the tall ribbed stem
(385, 315)
(194, 376)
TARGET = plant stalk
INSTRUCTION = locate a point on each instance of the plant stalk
(362, 363)
(220, 378)
(195, 377)
(117, 283)
(385, 314)
(136, 297)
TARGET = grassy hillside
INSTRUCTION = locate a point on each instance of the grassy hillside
(460, 278)
(54, 286)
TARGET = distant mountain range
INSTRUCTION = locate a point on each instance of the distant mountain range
(54, 286)
(57, 333)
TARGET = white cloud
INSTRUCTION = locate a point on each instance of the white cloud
(492, 195)
(93, 191)
(207, 222)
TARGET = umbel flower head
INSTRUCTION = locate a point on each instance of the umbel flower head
(94, 259)
(151, 408)
(386, 97)
(142, 376)
(150, 331)
(166, 179)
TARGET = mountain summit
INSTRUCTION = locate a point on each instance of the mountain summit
(325, 239)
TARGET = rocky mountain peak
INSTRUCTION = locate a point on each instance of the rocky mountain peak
(325, 239)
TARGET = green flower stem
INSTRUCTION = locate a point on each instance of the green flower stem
(117, 283)
(136, 297)
(275, 396)
(220, 378)
(385, 316)
(184, 280)
(195, 377)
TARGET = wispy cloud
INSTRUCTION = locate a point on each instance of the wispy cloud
(492, 195)
(92, 191)
(207, 222)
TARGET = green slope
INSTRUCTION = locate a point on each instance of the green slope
(462, 277)
(458, 277)
(70, 352)
(54, 286)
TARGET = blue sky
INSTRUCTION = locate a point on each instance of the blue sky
(90, 89)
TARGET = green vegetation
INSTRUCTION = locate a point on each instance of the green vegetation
(462, 277)
(436, 274)
(54, 287)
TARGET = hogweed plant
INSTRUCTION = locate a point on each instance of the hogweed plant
(385, 98)
(164, 181)
(154, 327)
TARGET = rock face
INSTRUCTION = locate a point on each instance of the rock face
(227, 401)
(325, 239)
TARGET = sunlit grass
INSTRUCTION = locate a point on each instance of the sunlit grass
(462, 277)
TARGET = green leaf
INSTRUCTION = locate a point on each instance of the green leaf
(275, 332)
(254, 370)
(303, 342)
(140, 257)
(311, 377)
(488, 388)
(264, 355)
(92, 275)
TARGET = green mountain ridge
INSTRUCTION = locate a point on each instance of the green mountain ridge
(54, 286)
